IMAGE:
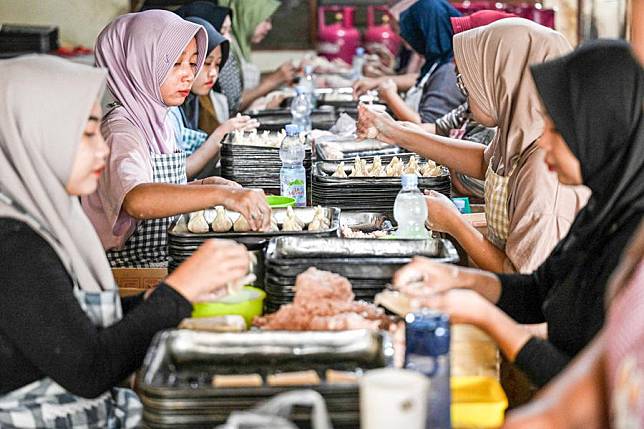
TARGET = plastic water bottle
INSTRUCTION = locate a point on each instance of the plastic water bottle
(301, 109)
(358, 63)
(292, 173)
(410, 209)
(427, 337)
(309, 83)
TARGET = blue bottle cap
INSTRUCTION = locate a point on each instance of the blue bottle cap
(427, 333)
(292, 130)
(409, 181)
(360, 51)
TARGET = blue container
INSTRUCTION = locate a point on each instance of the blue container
(427, 351)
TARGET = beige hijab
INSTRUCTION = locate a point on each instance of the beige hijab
(44, 106)
(494, 61)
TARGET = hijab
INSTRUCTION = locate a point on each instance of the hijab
(427, 28)
(607, 137)
(215, 15)
(190, 107)
(247, 15)
(44, 106)
(139, 50)
(493, 61)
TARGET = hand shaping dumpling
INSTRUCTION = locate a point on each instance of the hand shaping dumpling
(222, 222)
(339, 171)
(197, 223)
(241, 224)
(292, 223)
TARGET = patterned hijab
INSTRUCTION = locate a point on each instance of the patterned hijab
(139, 50)
(494, 61)
(44, 106)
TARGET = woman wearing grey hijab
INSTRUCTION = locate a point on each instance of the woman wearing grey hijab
(66, 338)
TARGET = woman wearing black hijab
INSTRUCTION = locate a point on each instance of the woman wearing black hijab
(594, 135)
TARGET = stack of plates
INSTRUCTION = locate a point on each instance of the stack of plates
(277, 119)
(369, 264)
(23, 39)
(256, 166)
(176, 386)
(373, 194)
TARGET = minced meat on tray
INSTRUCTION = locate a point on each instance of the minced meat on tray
(324, 301)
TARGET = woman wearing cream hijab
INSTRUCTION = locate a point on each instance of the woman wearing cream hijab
(528, 212)
(66, 338)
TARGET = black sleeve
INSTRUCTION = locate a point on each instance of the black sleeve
(541, 361)
(129, 303)
(41, 318)
(520, 298)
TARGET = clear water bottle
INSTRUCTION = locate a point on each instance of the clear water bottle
(410, 209)
(309, 83)
(358, 63)
(427, 337)
(301, 109)
(292, 173)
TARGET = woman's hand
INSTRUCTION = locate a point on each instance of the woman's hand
(361, 86)
(461, 305)
(239, 122)
(373, 124)
(442, 214)
(220, 181)
(250, 203)
(437, 276)
(387, 90)
(285, 74)
(540, 413)
(209, 269)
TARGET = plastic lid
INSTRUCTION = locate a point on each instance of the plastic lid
(292, 130)
(359, 51)
(409, 181)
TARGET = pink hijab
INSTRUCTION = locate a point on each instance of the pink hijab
(139, 49)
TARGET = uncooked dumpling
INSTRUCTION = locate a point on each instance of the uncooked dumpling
(182, 224)
(412, 166)
(291, 222)
(197, 223)
(376, 169)
(372, 132)
(274, 227)
(394, 168)
(241, 224)
(359, 167)
(222, 222)
(319, 222)
(339, 171)
(290, 212)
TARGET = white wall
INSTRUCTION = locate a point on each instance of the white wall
(79, 21)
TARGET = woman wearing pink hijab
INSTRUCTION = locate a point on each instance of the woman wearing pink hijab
(152, 58)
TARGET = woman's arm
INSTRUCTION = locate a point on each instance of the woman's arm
(198, 160)
(284, 74)
(388, 93)
(159, 200)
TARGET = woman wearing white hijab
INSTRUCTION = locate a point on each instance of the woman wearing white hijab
(66, 338)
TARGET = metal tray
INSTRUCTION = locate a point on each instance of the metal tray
(338, 149)
(300, 247)
(323, 170)
(303, 213)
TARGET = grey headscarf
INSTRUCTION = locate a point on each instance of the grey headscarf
(44, 106)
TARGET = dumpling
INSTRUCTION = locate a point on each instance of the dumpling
(197, 223)
(339, 171)
(241, 224)
(222, 222)
(238, 137)
(181, 225)
(291, 223)
(319, 222)
(274, 227)
(392, 166)
(412, 166)
(376, 169)
(358, 168)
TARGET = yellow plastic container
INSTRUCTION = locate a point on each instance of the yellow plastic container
(248, 304)
(477, 402)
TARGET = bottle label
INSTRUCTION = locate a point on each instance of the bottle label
(293, 184)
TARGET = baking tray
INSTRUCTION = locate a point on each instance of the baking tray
(339, 149)
(303, 213)
(275, 120)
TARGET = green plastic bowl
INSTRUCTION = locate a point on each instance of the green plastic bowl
(248, 303)
(279, 202)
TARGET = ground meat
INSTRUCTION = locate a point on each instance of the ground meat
(324, 302)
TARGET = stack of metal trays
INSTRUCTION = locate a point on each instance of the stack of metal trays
(366, 193)
(369, 264)
(277, 119)
(178, 380)
(181, 245)
(347, 148)
(256, 166)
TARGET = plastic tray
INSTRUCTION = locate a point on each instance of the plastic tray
(477, 402)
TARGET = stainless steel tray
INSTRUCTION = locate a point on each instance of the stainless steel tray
(300, 247)
(338, 149)
(303, 213)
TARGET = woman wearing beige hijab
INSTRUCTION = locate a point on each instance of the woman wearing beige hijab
(528, 212)
(66, 338)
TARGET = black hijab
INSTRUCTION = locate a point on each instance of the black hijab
(215, 15)
(595, 97)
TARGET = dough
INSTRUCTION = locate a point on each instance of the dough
(197, 223)
(222, 222)
(339, 171)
